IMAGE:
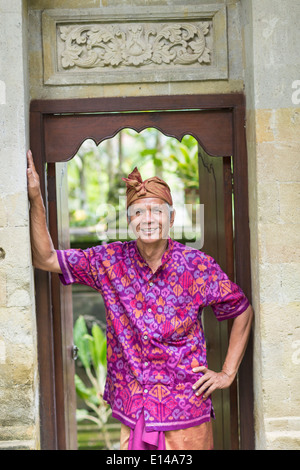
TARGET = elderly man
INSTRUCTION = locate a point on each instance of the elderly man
(154, 288)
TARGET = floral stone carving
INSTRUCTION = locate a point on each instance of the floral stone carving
(134, 45)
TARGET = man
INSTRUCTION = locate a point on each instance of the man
(154, 289)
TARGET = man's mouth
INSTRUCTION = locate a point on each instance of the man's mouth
(149, 231)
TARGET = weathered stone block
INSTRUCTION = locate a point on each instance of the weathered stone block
(3, 216)
(18, 444)
(2, 288)
(279, 243)
(13, 174)
(283, 433)
(15, 241)
(289, 195)
(277, 161)
(14, 210)
(268, 207)
(265, 125)
(287, 121)
(270, 289)
(290, 273)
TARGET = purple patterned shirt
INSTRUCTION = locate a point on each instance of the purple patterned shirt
(154, 330)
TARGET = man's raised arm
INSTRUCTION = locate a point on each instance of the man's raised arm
(43, 253)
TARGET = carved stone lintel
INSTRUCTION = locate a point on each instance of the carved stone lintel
(91, 46)
(149, 44)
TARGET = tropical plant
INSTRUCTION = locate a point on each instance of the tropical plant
(92, 354)
(185, 155)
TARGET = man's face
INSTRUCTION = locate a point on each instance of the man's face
(149, 219)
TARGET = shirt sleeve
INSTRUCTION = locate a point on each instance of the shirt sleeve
(87, 267)
(226, 298)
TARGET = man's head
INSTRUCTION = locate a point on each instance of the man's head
(150, 219)
(149, 207)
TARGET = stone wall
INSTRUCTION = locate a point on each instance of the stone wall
(272, 64)
(18, 360)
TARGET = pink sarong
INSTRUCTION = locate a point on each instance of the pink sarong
(195, 438)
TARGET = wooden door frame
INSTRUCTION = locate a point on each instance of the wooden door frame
(49, 345)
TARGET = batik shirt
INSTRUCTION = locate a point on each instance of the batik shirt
(154, 331)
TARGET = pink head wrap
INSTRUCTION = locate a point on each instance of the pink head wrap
(151, 187)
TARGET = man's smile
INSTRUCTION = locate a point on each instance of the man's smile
(149, 230)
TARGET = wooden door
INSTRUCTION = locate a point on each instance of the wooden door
(215, 180)
(57, 130)
(63, 296)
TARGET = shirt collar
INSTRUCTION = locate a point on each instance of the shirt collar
(165, 257)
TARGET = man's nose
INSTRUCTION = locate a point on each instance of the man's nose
(148, 216)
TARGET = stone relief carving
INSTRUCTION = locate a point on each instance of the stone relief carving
(135, 45)
(90, 46)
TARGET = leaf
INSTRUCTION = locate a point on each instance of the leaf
(80, 332)
(148, 152)
(69, 57)
(81, 415)
(90, 342)
(185, 152)
(64, 32)
(205, 57)
(158, 162)
(81, 390)
(100, 345)
(88, 394)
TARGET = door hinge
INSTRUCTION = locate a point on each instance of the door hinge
(75, 352)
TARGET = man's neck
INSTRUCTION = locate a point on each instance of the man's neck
(152, 253)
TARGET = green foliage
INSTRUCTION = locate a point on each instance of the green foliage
(185, 156)
(80, 334)
(95, 175)
(92, 354)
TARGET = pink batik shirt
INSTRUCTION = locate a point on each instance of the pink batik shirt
(154, 331)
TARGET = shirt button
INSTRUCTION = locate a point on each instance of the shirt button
(146, 363)
(145, 337)
(149, 310)
(151, 284)
(145, 391)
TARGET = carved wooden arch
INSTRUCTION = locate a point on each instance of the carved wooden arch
(213, 130)
(217, 123)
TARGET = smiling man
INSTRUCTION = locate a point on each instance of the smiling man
(154, 288)
(150, 215)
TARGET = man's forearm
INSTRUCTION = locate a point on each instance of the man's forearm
(238, 340)
(211, 380)
(43, 252)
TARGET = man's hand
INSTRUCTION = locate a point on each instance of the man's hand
(210, 381)
(44, 255)
(33, 179)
